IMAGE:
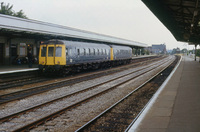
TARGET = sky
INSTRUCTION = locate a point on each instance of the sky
(127, 19)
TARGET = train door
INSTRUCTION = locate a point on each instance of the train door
(1, 53)
(111, 54)
(60, 57)
(42, 54)
(50, 59)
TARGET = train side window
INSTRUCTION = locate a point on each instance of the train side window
(66, 51)
(69, 51)
(50, 51)
(43, 51)
(84, 51)
(78, 51)
(81, 52)
(89, 52)
(94, 51)
(58, 51)
(98, 51)
(101, 51)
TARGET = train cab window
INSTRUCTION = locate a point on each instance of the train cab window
(43, 51)
(58, 51)
(50, 51)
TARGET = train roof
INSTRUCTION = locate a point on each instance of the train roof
(76, 43)
(53, 42)
(121, 47)
(85, 44)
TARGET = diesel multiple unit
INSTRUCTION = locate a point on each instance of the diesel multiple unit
(63, 56)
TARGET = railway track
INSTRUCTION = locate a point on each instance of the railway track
(13, 121)
(121, 115)
(8, 97)
(14, 80)
(21, 82)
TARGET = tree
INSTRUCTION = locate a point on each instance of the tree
(20, 14)
(7, 10)
(176, 51)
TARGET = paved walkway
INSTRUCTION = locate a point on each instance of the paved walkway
(177, 108)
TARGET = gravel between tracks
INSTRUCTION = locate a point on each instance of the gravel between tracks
(72, 120)
(40, 98)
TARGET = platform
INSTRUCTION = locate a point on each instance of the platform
(177, 107)
(24, 67)
(17, 68)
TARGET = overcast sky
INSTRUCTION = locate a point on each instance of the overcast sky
(128, 19)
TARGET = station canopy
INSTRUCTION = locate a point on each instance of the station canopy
(19, 27)
(181, 17)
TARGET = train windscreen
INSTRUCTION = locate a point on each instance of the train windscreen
(58, 51)
(50, 51)
(43, 52)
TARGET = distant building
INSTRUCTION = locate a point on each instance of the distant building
(159, 49)
(149, 49)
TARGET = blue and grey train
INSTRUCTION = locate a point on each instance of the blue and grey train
(63, 56)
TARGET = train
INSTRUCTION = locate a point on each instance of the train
(63, 56)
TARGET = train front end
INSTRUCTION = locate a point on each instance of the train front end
(52, 56)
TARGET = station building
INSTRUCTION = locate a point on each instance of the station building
(18, 36)
(12, 48)
(159, 48)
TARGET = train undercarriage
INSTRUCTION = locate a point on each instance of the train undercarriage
(61, 70)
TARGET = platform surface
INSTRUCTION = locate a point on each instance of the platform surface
(177, 107)
(16, 68)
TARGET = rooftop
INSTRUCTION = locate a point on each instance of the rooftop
(15, 26)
